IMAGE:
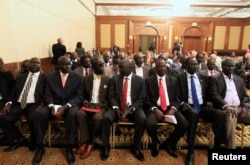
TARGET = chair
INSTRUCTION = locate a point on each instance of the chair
(125, 134)
(56, 121)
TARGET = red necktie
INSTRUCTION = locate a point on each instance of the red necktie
(162, 96)
(124, 94)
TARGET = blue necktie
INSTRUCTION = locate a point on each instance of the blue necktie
(194, 95)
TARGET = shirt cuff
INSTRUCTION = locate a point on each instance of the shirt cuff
(50, 105)
(69, 105)
(10, 103)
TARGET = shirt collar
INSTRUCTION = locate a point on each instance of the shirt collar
(194, 75)
(227, 77)
(97, 77)
(129, 76)
(65, 74)
(35, 74)
(163, 77)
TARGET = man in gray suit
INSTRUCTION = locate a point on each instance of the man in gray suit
(63, 97)
(139, 68)
(229, 94)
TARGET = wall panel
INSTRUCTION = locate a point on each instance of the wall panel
(234, 37)
(219, 37)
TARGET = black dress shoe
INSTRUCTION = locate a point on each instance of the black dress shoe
(155, 149)
(190, 159)
(105, 152)
(70, 156)
(16, 145)
(170, 150)
(137, 153)
(38, 156)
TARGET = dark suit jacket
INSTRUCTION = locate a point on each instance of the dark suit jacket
(103, 90)
(72, 93)
(145, 69)
(79, 70)
(6, 84)
(239, 69)
(20, 82)
(218, 90)
(153, 92)
(138, 91)
(58, 50)
(183, 84)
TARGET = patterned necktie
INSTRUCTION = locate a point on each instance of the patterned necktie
(63, 77)
(124, 94)
(162, 96)
(194, 95)
(26, 91)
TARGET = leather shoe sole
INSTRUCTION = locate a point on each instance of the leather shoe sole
(38, 156)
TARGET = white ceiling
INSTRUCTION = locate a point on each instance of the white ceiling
(174, 8)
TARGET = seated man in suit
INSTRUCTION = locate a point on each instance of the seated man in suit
(163, 102)
(125, 90)
(95, 96)
(85, 69)
(242, 69)
(113, 69)
(63, 97)
(211, 69)
(229, 94)
(26, 97)
(196, 104)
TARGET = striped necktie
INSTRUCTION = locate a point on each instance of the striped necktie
(26, 91)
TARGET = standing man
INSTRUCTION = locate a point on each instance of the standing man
(211, 69)
(25, 98)
(63, 96)
(95, 96)
(163, 102)
(229, 94)
(195, 104)
(58, 50)
(125, 89)
(139, 68)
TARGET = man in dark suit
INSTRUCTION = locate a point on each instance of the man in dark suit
(58, 50)
(6, 83)
(63, 96)
(139, 68)
(95, 96)
(201, 61)
(242, 69)
(195, 104)
(156, 112)
(117, 97)
(25, 98)
(229, 94)
(85, 69)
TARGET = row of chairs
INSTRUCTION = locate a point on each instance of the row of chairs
(121, 133)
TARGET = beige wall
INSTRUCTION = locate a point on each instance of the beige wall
(246, 38)
(30, 27)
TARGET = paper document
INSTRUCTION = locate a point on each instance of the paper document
(56, 107)
(170, 119)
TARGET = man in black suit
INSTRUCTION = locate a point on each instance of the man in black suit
(63, 97)
(58, 50)
(195, 104)
(18, 104)
(95, 96)
(229, 94)
(118, 99)
(156, 111)
(6, 83)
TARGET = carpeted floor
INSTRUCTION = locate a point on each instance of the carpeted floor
(55, 156)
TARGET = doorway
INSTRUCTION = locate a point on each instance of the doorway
(146, 41)
(192, 43)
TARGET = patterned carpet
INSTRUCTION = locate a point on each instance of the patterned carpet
(55, 156)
